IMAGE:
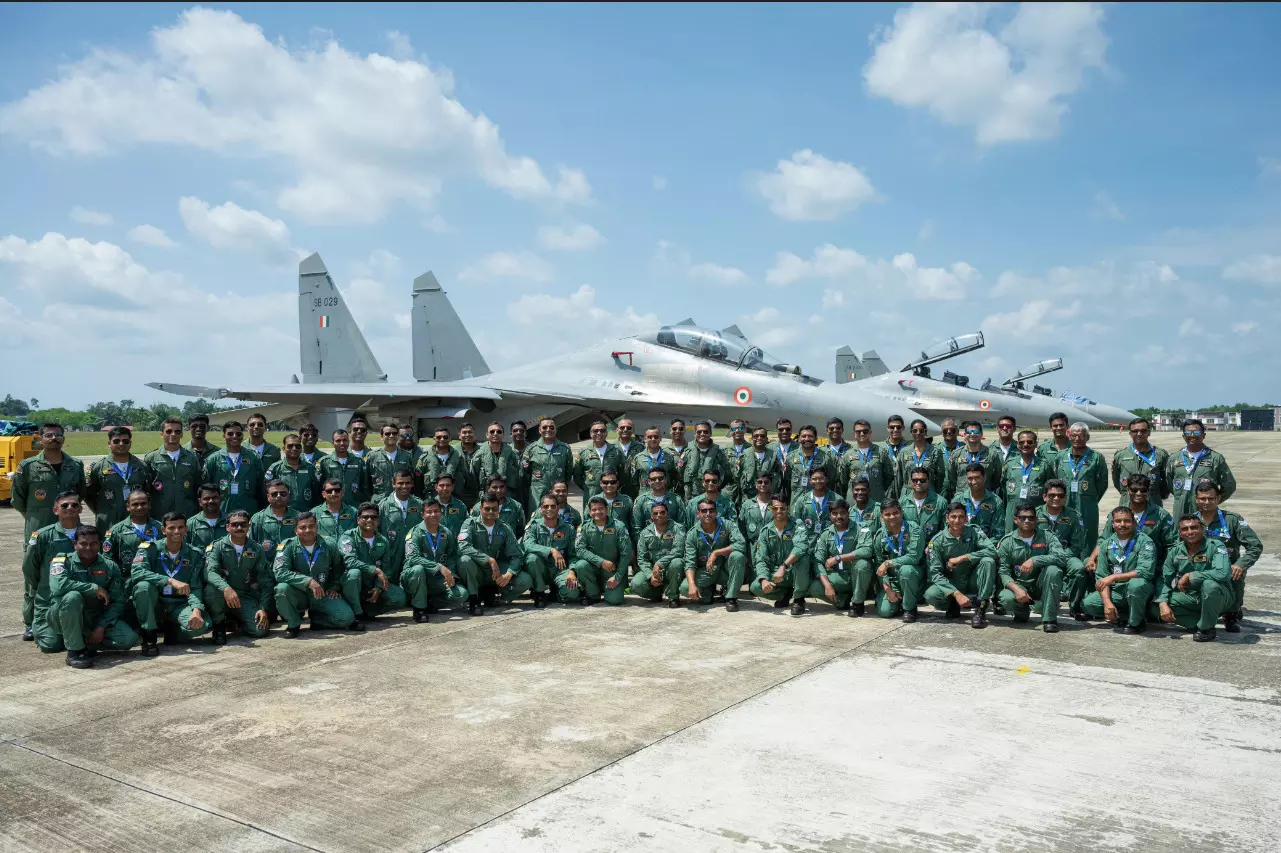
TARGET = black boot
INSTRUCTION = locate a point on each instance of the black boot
(1080, 615)
(911, 616)
(220, 634)
(357, 625)
(539, 601)
(78, 660)
(798, 606)
(489, 598)
(1204, 636)
(420, 615)
(731, 604)
(857, 610)
(292, 633)
(475, 607)
(953, 609)
(149, 647)
(979, 619)
(782, 601)
(675, 602)
(27, 635)
(1050, 627)
(1232, 622)
(432, 607)
(1135, 629)
(587, 600)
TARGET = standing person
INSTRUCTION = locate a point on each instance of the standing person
(602, 552)
(399, 513)
(358, 428)
(660, 567)
(679, 450)
(892, 556)
(962, 566)
(705, 455)
(1196, 581)
(734, 457)
(496, 458)
(268, 453)
(238, 582)
(893, 446)
(210, 524)
(469, 486)
(834, 560)
(655, 458)
(1244, 547)
(275, 524)
(781, 448)
(656, 493)
(112, 478)
(781, 560)
(548, 545)
(347, 468)
(167, 582)
(430, 570)
(1058, 441)
(199, 445)
(407, 444)
(837, 448)
(238, 476)
(173, 473)
(1124, 574)
(310, 577)
(386, 461)
(546, 462)
(294, 472)
(761, 459)
(1064, 523)
(631, 447)
(1024, 475)
(42, 477)
(519, 485)
(985, 509)
(1191, 465)
(124, 537)
(593, 460)
(804, 461)
(560, 491)
(714, 555)
(86, 601)
(1030, 563)
(1142, 459)
(311, 454)
(922, 454)
(43, 546)
(951, 441)
(1086, 474)
(1005, 443)
(870, 463)
(973, 451)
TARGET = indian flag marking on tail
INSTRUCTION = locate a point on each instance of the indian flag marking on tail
(324, 321)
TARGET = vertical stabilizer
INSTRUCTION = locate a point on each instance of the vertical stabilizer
(850, 367)
(331, 346)
(443, 350)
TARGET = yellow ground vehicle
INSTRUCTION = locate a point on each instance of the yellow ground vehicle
(14, 449)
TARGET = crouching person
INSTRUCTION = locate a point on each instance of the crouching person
(834, 558)
(497, 563)
(367, 551)
(660, 566)
(1031, 563)
(714, 553)
(603, 551)
(430, 575)
(781, 559)
(548, 544)
(1124, 575)
(896, 548)
(962, 568)
(310, 578)
(168, 580)
(87, 600)
(238, 582)
(1196, 586)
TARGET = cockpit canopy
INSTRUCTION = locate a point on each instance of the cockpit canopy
(724, 346)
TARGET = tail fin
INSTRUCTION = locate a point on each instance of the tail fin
(443, 350)
(331, 346)
(850, 367)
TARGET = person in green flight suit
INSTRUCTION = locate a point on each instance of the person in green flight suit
(1067, 526)
(199, 444)
(1124, 573)
(469, 488)
(679, 451)
(110, 479)
(268, 454)
(310, 577)
(655, 491)
(1149, 519)
(168, 585)
(656, 458)
(714, 554)
(407, 444)
(602, 553)
(43, 545)
(430, 570)
(398, 513)
(545, 462)
(366, 550)
(86, 601)
(385, 461)
(1141, 459)
(1006, 444)
(865, 513)
(812, 507)
(124, 537)
(804, 461)
(594, 460)
(510, 512)
(703, 456)
(1191, 465)
(40, 478)
(210, 524)
(620, 505)
(1086, 473)
(347, 468)
(896, 548)
(870, 463)
(973, 451)
(292, 470)
(1030, 562)
(922, 454)
(754, 512)
(238, 582)
(962, 568)
(238, 475)
(660, 551)
(310, 435)
(630, 446)
(761, 459)
(837, 448)
(173, 473)
(548, 545)
(1057, 443)
(923, 506)
(453, 513)
(893, 447)
(1024, 477)
(985, 509)
(497, 563)
(275, 524)
(781, 560)
(1196, 582)
(711, 484)
(335, 516)
(1243, 544)
(496, 458)
(560, 491)
(735, 487)
(834, 558)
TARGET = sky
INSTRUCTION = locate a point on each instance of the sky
(1096, 182)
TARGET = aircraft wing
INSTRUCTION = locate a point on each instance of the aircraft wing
(341, 394)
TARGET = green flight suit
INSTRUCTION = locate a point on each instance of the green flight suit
(931, 460)
(313, 458)
(241, 486)
(866, 519)
(699, 461)
(1044, 582)
(75, 609)
(43, 545)
(1209, 593)
(154, 600)
(735, 456)
(753, 517)
(874, 466)
(976, 577)
(331, 525)
(1130, 598)
(1129, 463)
(1182, 473)
(837, 486)
(1022, 484)
(1244, 548)
(425, 555)
(543, 466)
(814, 513)
(538, 542)
(906, 575)
(352, 473)
(724, 509)
(248, 574)
(268, 454)
(592, 547)
(468, 490)
(107, 488)
(201, 534)
(800, 467)
(755, 464)
(986, 513)
(590, 465)
(367, 558)
(963, 458)
(520, 488)
(727, 572)
(1003, 454)
(680, 456)
(620, 509)
(203, 453)
(895, 486)
(294, 573)
(394, 523)
(772, 548)
(476, 545)
(122, 541)
(505, 463)
(452, 515)
(627, 476)
(35, 485)
(172, 483)
(667, 551)
(1070, 531)
(304, 488)
(268, 530)
(1158, 525)
(1049, 451)
(510, 513)
(835, 543)
(642, 463)
(928, 517)
(645, 502)
(1087, 480)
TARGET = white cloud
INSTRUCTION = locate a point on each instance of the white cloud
(437, 224)
(230, 226)
(358, 132)
(1009, 85)
(90, 217)
(768, 328)
(1156, 354)
(1245, 328)
(375, 293)
(1190, 328)
(578, 319)
(828, 262)
(1265, 269)
(1100, 279)
(525, 266)
(812, 187)
(717, 274)
(150, 235)
(926, 231)
(833, 298)
(1106, 208)
(660, 183)
(577, 238)
(1028, 321)
(902, 273)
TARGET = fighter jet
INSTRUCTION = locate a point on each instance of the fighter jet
(952, 397)
(681, 369)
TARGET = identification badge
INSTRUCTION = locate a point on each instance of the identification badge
(168, 590)
(235, 489)
(805, 481)
(1023, 492)
(1076, 487)
(320, 578)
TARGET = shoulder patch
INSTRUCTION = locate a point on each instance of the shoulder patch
(280, 547)
(346, 547)
(142, 546)
(34, 537)
(209, 547)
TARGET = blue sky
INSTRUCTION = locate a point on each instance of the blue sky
(1099, 183)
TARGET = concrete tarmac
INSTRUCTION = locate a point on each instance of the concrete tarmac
(644, 728)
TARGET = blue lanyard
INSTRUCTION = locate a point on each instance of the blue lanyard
(1150, 459)
(838, 536)
(311, 560)
(896, 548)
(128, 472)
(839, 453)
(434, 541)
(1222, 530)
(1027, 469)
(1189, 462)
(808, 466)
(177, 565)
(715, 536)
(893, 450)
(819, 509)
(738, 451)
(1078, 467)
(142, 534)
(1129, 546)
(947, 454)
(865, 455)
(1140, 521)
(565, 516)
(918, 461)
(972, 507)
(652, 461)
(235, 472)
(782, 457)
(973, 457)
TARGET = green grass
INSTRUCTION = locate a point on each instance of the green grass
(95, 443)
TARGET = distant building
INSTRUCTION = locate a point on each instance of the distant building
(1261, 419)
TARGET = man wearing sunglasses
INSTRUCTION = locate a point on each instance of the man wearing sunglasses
(238, 582)
(1030, 563)
(384, 462)
(496, 458)
(1191, 465)
(870, 463)
(491, 560)
(358, 428)
(711, 492)
(620, 505)
(111, 479)
(52, 540)
(1125, 568)
(1244, 547)
(311, 454)
(167, 581)
(714, 554)
(199, 444)
(595, 459)
(294, 472)
(893, 446)
(1141, 459)
(890, 555)
(276, 523)
(735, 488)
(781, 559)
(545, 462)
(173, 473)
(86, 602)
(837, 447)
(310, 577)
(38, 479)
(922, 454)
(367, 551)
(335, 516)
(1058, 518)
(1024, 474)
(761, 459)
(237, 474)
(655, 491)
(659, 564)
(973, 451)
(923, 506)
(1005, 443)
(548, 545)
(345, 467)
(706, 455)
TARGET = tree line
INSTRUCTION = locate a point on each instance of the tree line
(98, 415)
